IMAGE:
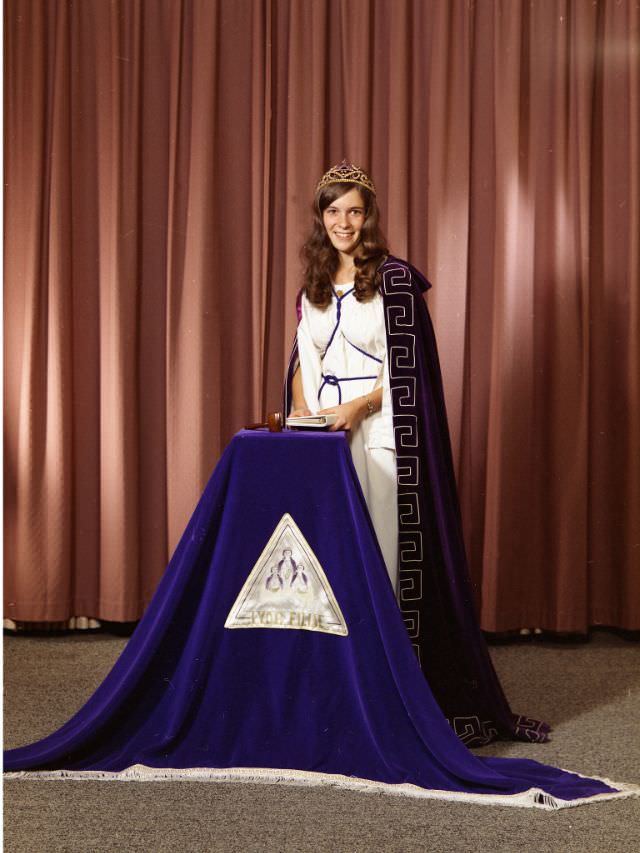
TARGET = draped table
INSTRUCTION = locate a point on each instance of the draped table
(274, 650)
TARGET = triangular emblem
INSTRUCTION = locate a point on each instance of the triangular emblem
(287, 588)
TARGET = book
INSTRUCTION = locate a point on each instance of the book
(311, 421)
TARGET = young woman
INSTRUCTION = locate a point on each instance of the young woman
(342, 344)
(365, 351)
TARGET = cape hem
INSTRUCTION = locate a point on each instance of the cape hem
(531, 798)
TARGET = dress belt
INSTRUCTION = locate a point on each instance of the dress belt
(330, 379)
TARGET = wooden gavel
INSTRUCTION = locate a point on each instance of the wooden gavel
(274, 423)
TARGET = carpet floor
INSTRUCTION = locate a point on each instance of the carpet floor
(589, 692)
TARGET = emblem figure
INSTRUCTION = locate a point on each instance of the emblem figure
(274, 582)
(287, 565)
(299, 580)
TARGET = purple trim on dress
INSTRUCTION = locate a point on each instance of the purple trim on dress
(329, 378)
(335, 328)
(368, 354)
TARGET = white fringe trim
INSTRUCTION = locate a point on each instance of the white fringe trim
(533, 798)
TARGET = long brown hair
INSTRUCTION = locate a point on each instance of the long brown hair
(321, 259)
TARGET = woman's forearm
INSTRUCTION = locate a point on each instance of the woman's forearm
(296, 388)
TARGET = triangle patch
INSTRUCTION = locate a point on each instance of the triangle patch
(287, 588)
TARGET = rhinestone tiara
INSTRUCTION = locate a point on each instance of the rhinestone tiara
(345, 172)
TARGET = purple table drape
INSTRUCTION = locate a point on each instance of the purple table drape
(187, 692)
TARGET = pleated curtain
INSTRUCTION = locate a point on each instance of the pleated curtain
(161, 158)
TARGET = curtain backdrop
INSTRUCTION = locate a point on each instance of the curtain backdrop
(161, 157)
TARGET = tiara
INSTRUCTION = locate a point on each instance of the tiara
(348, 173)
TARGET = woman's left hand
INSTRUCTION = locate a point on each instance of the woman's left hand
(349, 414)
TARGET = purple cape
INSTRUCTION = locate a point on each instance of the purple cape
(435, 595)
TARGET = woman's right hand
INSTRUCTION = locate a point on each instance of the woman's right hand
(300, 413)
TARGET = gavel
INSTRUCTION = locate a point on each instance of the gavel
(274, 423)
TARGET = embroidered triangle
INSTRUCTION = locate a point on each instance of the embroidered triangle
(287, 588)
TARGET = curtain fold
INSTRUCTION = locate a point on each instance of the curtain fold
(160, 161)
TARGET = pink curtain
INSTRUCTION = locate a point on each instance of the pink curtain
(161, 156)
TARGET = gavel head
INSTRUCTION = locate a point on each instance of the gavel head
(274, 422)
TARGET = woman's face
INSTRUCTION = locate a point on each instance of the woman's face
(343, 220)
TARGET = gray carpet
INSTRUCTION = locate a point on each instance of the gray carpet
(589, 692)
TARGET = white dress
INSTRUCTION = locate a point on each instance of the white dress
(343, 355)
